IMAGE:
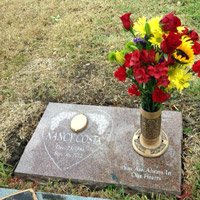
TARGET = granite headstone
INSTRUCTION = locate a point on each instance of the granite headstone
(102, 153)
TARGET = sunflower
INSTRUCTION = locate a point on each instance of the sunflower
(184, 53)
(139, 26)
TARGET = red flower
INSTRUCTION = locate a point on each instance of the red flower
(170, 43)
(141, 76)
(158, 70)
(159, 96)
(132, 59)
(144, 56)
(134, 90)
(163, 81)
(147, 57)
(127, 22)
(185, 32)
(120, 73)
(151, 56)
(196, 48)
(169, 61)
(170, 22)
(196, 67)
(151, 70)
(194, 36)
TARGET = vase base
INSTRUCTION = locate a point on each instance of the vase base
(151, 152)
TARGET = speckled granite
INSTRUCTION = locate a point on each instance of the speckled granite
(101, 154)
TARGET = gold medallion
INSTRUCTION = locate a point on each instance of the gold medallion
(78, 123)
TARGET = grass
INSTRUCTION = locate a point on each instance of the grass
(194, 91)
(6, 180)
(58, 51)
(5, 174)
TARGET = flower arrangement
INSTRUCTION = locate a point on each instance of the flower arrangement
(159, 60)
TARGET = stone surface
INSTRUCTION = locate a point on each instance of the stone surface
(28, 194)
(47, 196)
(101, 154)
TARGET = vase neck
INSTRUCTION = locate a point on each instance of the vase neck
(150, 115)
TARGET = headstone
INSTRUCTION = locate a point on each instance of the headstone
(25, 195)
(46, 196)
(102, 153)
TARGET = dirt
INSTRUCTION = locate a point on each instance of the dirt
(17, 126)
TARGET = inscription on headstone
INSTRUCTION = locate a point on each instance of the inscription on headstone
(66, 148)
(148, 173)
(102, 153)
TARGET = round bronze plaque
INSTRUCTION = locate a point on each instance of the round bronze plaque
(78, 123)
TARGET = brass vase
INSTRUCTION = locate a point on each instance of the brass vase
(150, 140)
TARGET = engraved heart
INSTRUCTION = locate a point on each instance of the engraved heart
(66, 148)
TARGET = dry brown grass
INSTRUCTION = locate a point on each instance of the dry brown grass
(191, 144)
(19, 121)
(42, 60)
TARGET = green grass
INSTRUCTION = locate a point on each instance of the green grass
(5, 174)
(196, 181)
(6, 180)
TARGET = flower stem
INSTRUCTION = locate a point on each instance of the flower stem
(131, 30)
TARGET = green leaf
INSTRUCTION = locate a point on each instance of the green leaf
(148, 47)
(129, 43)
(112, 56)
(188, 130)
(129, 71)
(131, 46)
(124, 52)
(166, 56)
(147, 29)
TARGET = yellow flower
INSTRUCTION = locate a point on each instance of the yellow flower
(157, 57)
(139, 26)
(171, 77)
(156, 39)
(155, 31)
(179, 78)
(119, 58)
(184, 53)
(181, 29)
(155, 25)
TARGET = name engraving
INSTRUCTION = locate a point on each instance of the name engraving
(74, 138)
(146, 173)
